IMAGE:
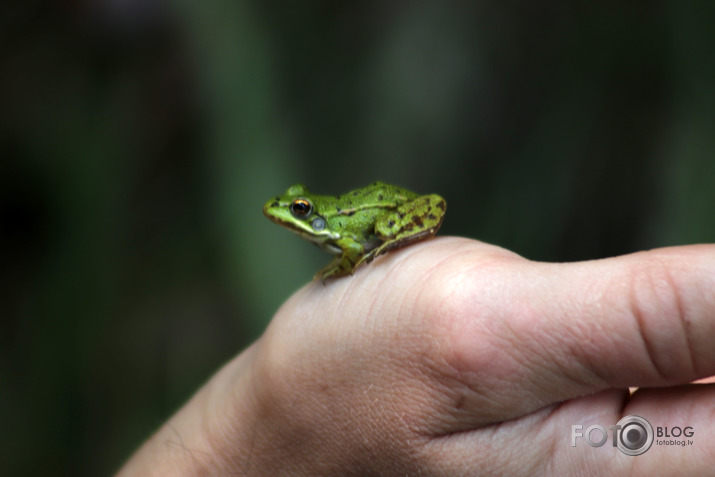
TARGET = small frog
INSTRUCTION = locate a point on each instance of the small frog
(359, 225)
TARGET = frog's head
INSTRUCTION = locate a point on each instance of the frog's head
(296, 210)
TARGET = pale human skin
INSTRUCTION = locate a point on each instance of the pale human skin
(454, 357)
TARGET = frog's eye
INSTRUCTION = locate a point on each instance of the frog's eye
(301, 208)
(318, 223)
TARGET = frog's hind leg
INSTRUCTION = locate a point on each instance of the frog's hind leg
(412, 222)
(394, 245)
(333, 269)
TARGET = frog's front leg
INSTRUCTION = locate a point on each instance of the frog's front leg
(343, 264)
(411, 222)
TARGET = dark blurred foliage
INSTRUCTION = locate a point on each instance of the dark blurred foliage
(139, 140)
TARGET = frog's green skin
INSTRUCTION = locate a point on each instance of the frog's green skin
(359, 225)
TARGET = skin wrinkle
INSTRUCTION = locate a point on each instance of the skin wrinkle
(451, 392)
(458, 388)
(529, 365)
(523, 353)
(436, 360)
(536, 423)
(681, 316)
(530, 424)
(456, 327)
(596, 378)
(542, 350)
(617, 287)
(584, 373)
(637, 315)
(438, 374)
(172, 444)
(416, 438)
(425, 371)
(466, 379)
(578, 349)
(658, 276)
(655, 284)
(574, 342)
(442, 446)
(580, 365)
(552, 334)
(587, 352)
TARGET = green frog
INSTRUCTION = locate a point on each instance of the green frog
(359, 225)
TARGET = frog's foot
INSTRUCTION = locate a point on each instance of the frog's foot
(339, 267)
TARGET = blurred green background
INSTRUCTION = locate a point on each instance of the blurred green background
(139, 140)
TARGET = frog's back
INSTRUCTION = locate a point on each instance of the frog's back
(379, 194)
(355, 212)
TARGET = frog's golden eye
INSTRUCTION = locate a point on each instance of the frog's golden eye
(301, 208)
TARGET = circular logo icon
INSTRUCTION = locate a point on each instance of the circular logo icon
(635, 436)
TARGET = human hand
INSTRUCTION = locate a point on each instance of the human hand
(453, 357)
